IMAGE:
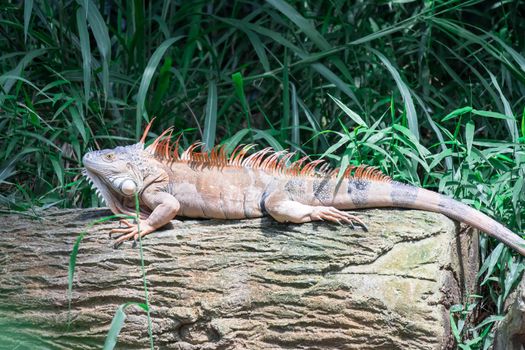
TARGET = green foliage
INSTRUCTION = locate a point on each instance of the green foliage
(429, 91)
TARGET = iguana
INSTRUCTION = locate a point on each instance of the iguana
(211, 184)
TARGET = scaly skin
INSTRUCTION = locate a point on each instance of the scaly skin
(211, 185)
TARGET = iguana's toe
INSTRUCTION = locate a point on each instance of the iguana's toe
(335, 215)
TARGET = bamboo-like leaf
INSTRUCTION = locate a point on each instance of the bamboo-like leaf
(71, 270)
(238, 83)
(353, 115)
(86, 52)
(304, 25)
(117, 323)
(491, 262)
(9, 78)
(101, 35)
(511, 121)
(259, 49)
(469, 135)
(296, 138)
(410, 109)
(457, 112)
(28, 9)
(145, 82)
(520, 60)
(233, 141)
(210, 122)
(78, 122)
(490, 114)
(319, 67)
(269, 138)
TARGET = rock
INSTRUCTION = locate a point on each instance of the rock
(249, 284)
(510, 332)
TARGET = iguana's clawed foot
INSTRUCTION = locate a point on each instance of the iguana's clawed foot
(335, 215)
(131, 232)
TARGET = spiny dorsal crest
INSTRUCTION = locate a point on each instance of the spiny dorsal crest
(267, 159)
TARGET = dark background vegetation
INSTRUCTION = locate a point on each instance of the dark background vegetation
(431, 92)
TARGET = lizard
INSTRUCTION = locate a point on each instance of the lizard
(199, 184)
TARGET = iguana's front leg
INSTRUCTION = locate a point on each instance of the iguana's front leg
(164, 206)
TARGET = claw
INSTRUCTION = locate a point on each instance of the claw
(335, 215)
(131, 232)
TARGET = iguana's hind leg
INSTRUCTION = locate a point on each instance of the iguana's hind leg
(286, 210)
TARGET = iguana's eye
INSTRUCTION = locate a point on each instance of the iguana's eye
(109, 156)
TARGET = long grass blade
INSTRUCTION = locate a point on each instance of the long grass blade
(86, 52)
(210, 123)
(353, 115)
(413, 123)
(101, 34)
(28, 9)
(511, 121)
(71, 271)
(301, 22)
(117, 323)
(145, 82)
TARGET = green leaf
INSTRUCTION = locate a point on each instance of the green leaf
(410, 109)
(269, 138)
(28, 9)
(57, 167)
(233, 141)
(210, 123)
(86, 52)
(320, 68)
(410, 136)
(304, 25)
(491, 261)
(259, 48)
(296, 137)
(457, 112)
(9, 78)
(117, 323)
(285, 120)
(78, 122)
(238, 83)
(163, 84)
(511, 121)
(353, 115)
(145, 82)
(115, 327)
(469, 135)
(490, 114)
(520, 60)
(100, 32)
(71, 271)
(489, 320)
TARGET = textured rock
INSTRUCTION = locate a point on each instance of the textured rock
(249, 284)
(510, 332)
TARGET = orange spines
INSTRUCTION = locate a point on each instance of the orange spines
(143, 138)
(238, 154)
(267, 159)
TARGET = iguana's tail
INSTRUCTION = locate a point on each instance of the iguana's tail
(372, 194)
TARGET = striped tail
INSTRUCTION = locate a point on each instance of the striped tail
(376, 194)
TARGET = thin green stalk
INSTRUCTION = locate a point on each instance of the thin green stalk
(143, 270)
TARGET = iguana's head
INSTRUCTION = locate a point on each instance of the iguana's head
(120, 172)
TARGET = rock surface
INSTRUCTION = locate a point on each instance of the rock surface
(249, 284)
(510, 332)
